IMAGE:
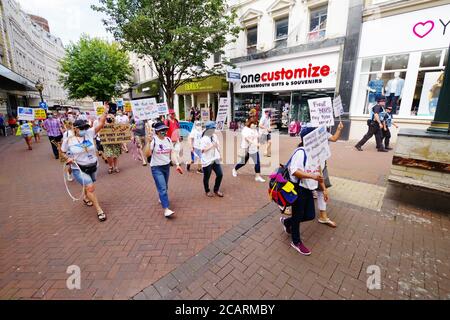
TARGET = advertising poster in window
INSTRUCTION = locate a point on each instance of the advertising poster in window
(431, 89)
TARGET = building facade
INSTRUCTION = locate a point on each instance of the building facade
(29, 54)
(288, 52)
(403, 53)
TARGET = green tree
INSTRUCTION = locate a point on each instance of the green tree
(94, 68)
(179, 35)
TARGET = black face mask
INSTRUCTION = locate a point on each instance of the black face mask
(109, 120)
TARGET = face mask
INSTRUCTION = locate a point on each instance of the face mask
(109, 120)
(50, 116)
(82, 133)
(163, 133)
(253, 126)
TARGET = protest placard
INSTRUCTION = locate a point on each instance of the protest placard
(205, 114)
(120, 103)
(337, 107)
(127, 106)
(99, 108)
(321, 112)
(222, 113)
(163, 109)
(26, 114)
(39, 114)
(115, 133)
(145, 109)
(316, 146)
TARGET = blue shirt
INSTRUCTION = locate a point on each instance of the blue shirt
(388, 119)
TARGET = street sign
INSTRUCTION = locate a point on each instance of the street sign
(43, 105)
(234, 75)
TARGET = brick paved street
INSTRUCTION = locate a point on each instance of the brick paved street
(213, 248)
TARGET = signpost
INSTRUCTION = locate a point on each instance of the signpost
(222, 112)
(115, 133)
(43, 105)
(145, 109)
(40, 114)
(26, 114)
(321, 112)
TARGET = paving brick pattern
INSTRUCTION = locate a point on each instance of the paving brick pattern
(409, 246)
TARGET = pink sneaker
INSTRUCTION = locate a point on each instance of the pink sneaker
(301, 248)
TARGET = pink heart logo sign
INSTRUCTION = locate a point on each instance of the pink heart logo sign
(422, 29)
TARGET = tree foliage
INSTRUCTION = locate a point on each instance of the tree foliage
(179, 35)
(94, 68)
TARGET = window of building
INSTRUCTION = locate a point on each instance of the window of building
(396, 62)
(281, 29)
(318, 23)
(430, 59)
(217, 58)
(252, 39)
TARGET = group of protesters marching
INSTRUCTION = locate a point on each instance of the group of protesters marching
(75, 138)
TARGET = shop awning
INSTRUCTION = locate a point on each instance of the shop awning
(208, 84)
(11, 81)
(148, 88)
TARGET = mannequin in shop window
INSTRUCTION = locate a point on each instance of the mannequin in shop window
(375, 88)
(394, 89)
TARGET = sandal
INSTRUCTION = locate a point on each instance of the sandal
(101, 216)
(210, 194)
(88, 202)
(328, 222)
(110, 170)
(219, 194)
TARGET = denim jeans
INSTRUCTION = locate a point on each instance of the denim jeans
(217, 168)
(255, 158)
(161, 176)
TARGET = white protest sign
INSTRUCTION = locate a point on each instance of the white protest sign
(222, 112)
(316, 146)
(337, 107)
(99, 108)
(321, 112)
(26, 114)
(144, 109)
(163, 109)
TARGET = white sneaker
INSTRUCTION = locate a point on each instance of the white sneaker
(69, 178)
(168, 213)
(234, 173)
(259, 179)
(159, 201)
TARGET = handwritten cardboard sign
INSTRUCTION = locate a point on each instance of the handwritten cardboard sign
(337, 107)
(222, 113)
(321, 112)
(163, 109)
(115, 133)
(316, 146)
(145, 109)
(39, 114)
(99, 108)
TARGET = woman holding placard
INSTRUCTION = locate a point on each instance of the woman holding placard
(26, 131)
(112, 151)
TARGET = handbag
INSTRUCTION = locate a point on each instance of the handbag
(89, 169)
(326, 177)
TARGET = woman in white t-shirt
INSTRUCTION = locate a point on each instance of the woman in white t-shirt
(209, 145)
(250, 148)
(81, 154)
(195, 137)
(160, 149)
(306, 178)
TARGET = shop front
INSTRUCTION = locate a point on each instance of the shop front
(284, 84)
(203, 93)
(148, 89)
(402, 57)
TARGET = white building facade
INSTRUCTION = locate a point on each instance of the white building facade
(407, 39)
(32, 53)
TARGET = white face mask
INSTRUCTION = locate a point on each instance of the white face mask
(253, 126)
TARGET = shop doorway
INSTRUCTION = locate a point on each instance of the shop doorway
(280, 103)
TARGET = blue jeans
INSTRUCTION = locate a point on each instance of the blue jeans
(84, 178)
(161, 176)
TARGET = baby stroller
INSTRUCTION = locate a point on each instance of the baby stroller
(294, 128)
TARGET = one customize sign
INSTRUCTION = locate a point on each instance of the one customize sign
(337, 107)
(205, 114)
(99, 108)
(40, 114)
(115, 133)
(316, 145)
(145, 109)
(222, 112)
(163, 109)
(26, 114)
(185, 128)
(321, 112)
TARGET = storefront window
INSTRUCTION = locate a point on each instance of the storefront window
(396, 62)
(243, 103)
(372, 64)
(430, 59)
(279, 103)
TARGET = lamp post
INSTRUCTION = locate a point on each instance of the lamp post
(40, 87)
